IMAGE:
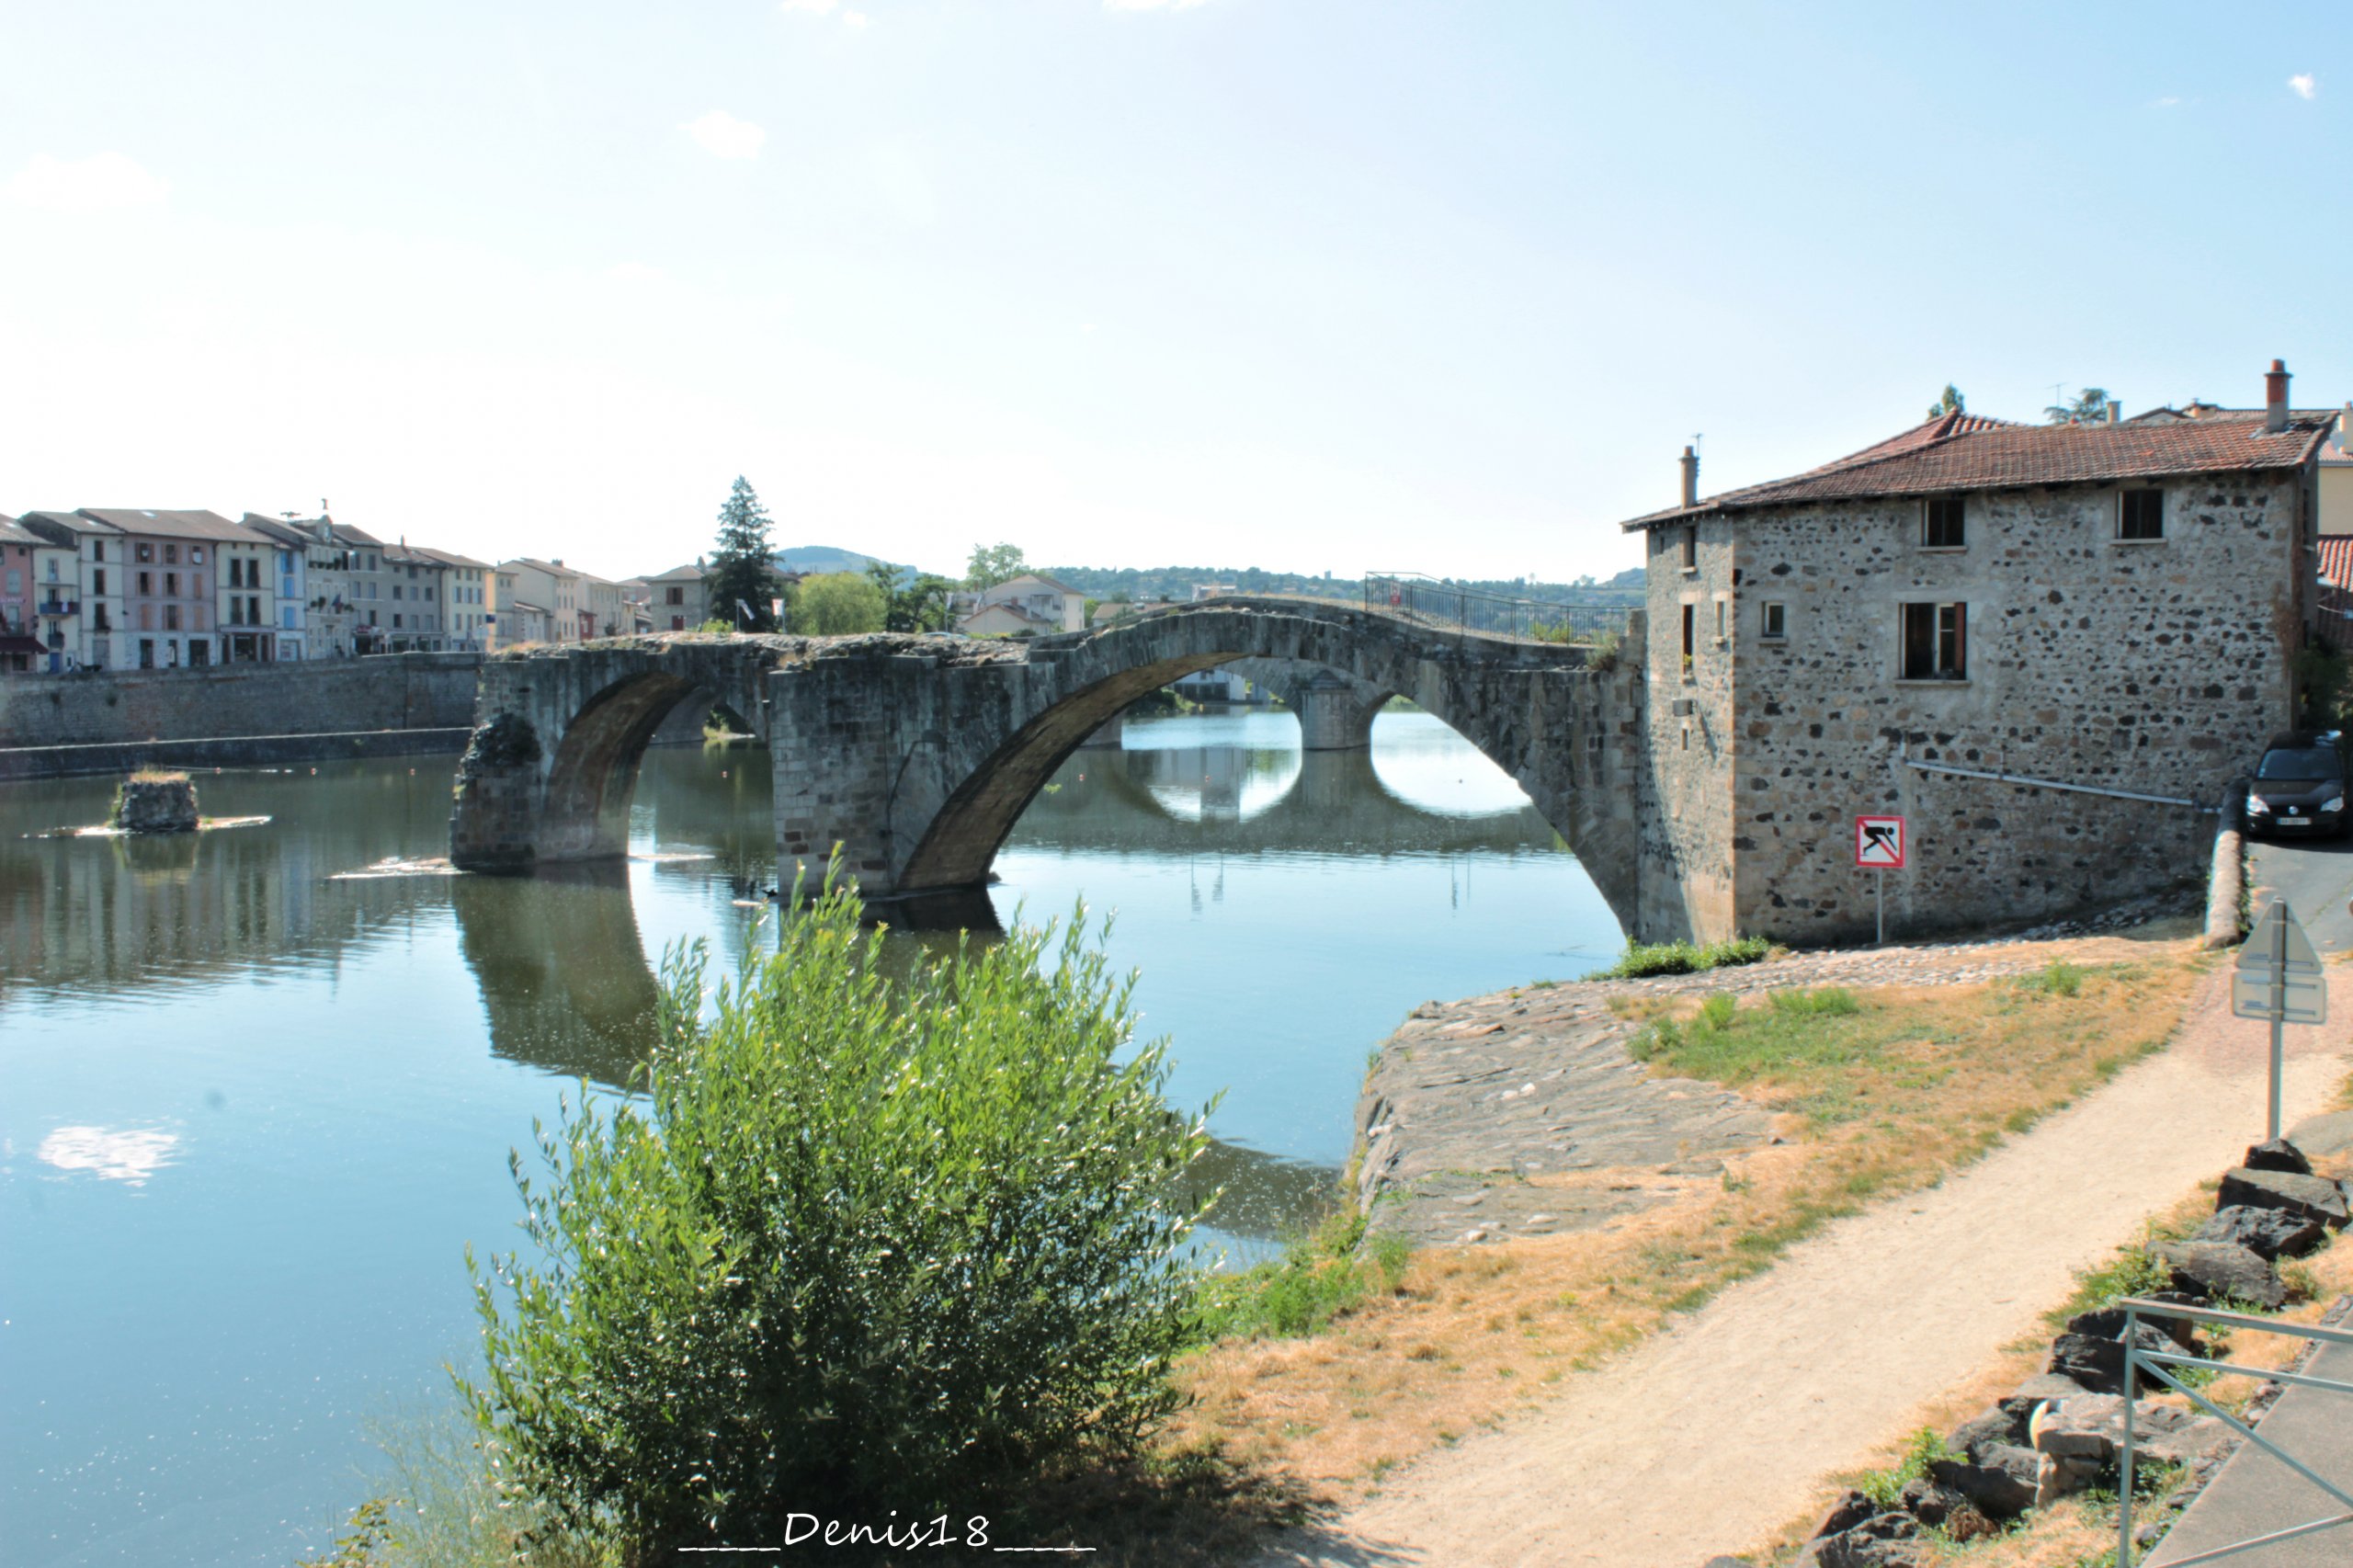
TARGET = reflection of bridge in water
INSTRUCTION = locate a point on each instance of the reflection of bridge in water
(1242, 800)
(567, 989)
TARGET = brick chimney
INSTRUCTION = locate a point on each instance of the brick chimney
(2274, 397)
(1690, 478)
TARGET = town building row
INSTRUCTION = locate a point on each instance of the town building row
(130, 588)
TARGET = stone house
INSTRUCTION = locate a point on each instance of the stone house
(246, 577)
(677, 600)
(1925, 626)
(173, 575)
(79, 567)
(291, 559)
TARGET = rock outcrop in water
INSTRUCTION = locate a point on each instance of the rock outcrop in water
(155, 802)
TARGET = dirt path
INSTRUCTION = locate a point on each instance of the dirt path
(1709, 1436)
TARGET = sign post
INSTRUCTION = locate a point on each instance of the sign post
(2279, 977)
(1879, 848)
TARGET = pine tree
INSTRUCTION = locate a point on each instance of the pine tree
(740, 569)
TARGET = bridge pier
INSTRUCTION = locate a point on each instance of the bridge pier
(1334, 713)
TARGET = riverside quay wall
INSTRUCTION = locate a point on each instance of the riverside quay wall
(55, 725)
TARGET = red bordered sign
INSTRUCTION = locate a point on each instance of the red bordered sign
(1879, 844)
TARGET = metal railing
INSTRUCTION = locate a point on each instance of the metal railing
(1433, 601)
(2155, 1362)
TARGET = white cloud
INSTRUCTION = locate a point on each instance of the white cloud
(117, 1153)
(1152, 4)
(95, 184)
(2302, 84)
(854, 19)
(2167, 103)
(811, 7)
(724, 136)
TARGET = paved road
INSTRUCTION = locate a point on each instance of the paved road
(2254, 1494)
(2315, 876)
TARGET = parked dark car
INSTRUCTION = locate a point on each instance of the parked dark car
(2299, 787)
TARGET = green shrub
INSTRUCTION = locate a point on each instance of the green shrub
(1885, 1487)
(880, 1246)
(1822, 1002)
(1319, 1277)
(2059, 978)
(1640, 958)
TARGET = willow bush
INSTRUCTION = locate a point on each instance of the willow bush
(862, 1245)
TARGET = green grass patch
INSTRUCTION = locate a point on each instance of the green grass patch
(1644, 959)
(1321, 1274)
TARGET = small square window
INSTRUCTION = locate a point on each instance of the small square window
(1774, 620)
(2142, 514)
(1942, 523)
(1936, 641)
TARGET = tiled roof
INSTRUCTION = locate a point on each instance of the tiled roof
(451, 558)
(15, 533)
(2336, 576)
(1968, 452)
(161, 524)
(677, 575)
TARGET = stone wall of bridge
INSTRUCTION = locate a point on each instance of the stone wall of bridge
(916, 756)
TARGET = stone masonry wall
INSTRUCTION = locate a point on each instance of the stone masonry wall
(2158, 667)
(1686, 823)
(394, 691)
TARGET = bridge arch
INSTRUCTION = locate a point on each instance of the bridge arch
(559, 735)
(917, 756)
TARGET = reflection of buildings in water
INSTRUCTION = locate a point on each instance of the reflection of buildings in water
(1219, 784)
(110, 913)
(564, 981)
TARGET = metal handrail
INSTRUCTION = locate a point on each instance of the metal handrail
(2156, 1361)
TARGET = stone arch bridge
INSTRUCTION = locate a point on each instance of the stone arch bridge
(917, 753)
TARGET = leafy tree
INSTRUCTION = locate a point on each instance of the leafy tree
(837, 603)
(858, 1244)
(1951, 403)
(739, 568)
(917, 604)
(2089, 408)
(994, 564)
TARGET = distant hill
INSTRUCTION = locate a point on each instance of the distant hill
(817, 558)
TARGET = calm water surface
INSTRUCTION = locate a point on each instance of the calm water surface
(255, 1103)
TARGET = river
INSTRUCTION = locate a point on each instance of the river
(258, 1096)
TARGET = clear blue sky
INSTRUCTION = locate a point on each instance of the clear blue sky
(1308, 284)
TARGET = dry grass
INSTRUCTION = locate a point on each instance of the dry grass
(1912, 1085)
(156, 776)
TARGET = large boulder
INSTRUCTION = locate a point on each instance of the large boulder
(2277, 1154)
(2108, 1322)
(2000, 1486)
(1992, 1425)
(2269, 1233)
(2097, 1363)
(1885, 1541)
(2093, 1426)
(2316, 1198)
(2223, 1271)
(1851, 1509)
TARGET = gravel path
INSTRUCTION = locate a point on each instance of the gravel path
(1713, 1433)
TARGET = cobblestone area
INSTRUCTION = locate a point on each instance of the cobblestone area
(1522, 1113)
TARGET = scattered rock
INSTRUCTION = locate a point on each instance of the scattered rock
(2269, 1233)
(2097, 1363)
(155, 802)
(2316, 1198)
(2159, 1431)
(2222, 1270)
(2000, 1486)
(2108, 1322)
(1929, 1503)
(1994, 1426)
(2331, 1133)
(1885, 1541)
(2277, 1154)
(1851, 1509)
(1727, 1562)
(2020, 1404)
